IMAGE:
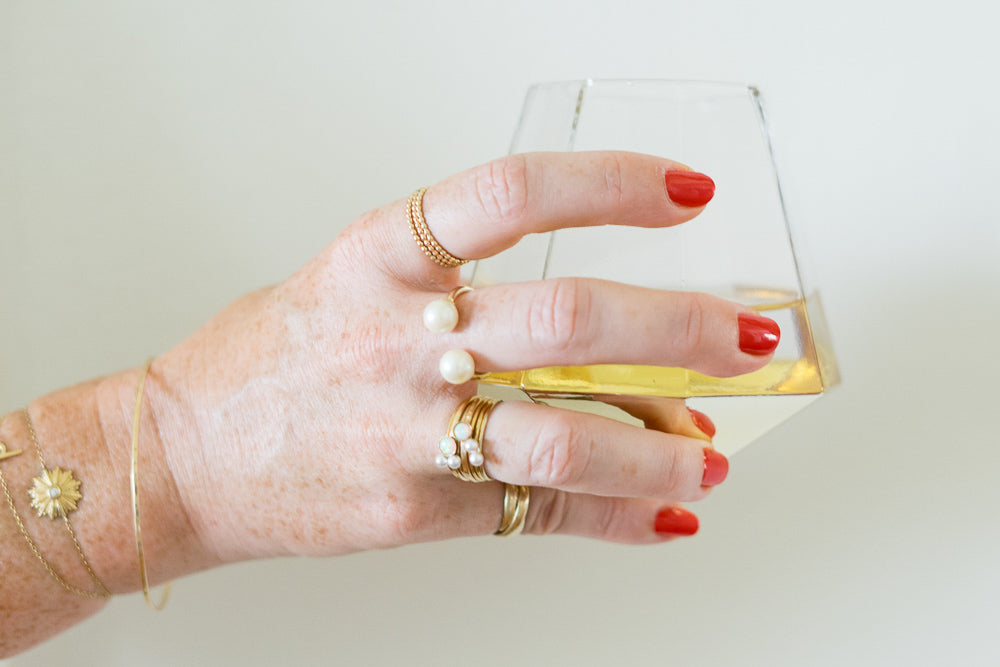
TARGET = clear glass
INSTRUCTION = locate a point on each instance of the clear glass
(741, 247)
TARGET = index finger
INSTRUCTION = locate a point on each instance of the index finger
(482, 211)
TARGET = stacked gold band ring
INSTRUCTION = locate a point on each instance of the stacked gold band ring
(461, 450)
(422, 233)
(515, 509)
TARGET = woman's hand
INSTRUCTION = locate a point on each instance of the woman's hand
(304, 419)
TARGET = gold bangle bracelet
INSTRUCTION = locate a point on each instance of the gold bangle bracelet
(135, 495)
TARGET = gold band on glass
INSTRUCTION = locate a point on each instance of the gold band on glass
(422, 233)
(54, 493)
(515, 509)
(475, 412)
(134, 477)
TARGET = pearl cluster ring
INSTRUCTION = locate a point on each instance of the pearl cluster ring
(461, 450)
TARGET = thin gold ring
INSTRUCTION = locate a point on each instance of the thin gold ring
(422, 233)
(441, 315)
(515, 509)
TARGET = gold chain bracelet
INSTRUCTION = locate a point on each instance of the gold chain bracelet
(54, 493)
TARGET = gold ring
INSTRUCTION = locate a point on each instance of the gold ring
(422, 233)
(462, 449)
(515, 509)
(441, 315)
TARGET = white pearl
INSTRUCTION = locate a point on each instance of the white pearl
(470, 445)
(462, 431)
(457, 366)
(475, 459)
(455, 462)
(440, 316)
(441, 461)
(447, 446)
(54, 492)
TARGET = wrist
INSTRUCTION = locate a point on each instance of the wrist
(171, 547)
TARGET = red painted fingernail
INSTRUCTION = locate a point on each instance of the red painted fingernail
(758, 335)
(676, 521)
(689, 188)
(702, 422)
(716, 468)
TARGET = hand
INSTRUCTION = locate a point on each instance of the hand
(304, 418)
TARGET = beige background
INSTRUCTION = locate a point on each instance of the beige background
(157, 159)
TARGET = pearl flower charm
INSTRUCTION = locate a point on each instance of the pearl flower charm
(55, 493)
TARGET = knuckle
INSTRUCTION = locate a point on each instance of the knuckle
(559, 455)
(673, 481)
(559, 315)
(613, 181)
(693, 310)
(408, 521)
(362, 238)
(611, 517)
(549, 517)
(371, 352)
(502, 187)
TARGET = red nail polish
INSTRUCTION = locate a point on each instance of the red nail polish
(758, 335)
(689, 188)
(702, 422)
(676, 521)
(716, 468)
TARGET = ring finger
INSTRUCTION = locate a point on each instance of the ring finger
(540, 446)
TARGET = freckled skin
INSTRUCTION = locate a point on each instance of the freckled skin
(289, 358)
(302, 419)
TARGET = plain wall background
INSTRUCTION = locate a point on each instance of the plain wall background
(158, 159)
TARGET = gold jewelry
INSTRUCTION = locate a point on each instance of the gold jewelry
(462, 449)
(54, 494)
(135, 495)
(422, 233)
(458, 367)
(441, 315)
(515, 509)
(6, 453)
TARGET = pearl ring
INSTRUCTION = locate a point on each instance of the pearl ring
(441, 315)
(461, 450)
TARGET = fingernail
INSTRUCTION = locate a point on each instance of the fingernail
(676, 521)
(758, 335)
(702, 422)
(689, 188)
(716, 468)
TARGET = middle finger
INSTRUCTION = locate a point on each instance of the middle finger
(578, 321)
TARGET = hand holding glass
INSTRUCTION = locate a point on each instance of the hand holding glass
(740, 248)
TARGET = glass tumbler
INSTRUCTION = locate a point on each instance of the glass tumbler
(741, 247)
